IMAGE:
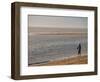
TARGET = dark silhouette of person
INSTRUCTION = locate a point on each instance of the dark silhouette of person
(79, 49)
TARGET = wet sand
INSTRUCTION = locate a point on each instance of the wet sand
(76, 59)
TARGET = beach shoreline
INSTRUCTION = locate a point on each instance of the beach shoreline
(76, 59)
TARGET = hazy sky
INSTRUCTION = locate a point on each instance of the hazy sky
(57, 21)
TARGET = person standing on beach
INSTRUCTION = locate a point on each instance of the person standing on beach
(79, 49)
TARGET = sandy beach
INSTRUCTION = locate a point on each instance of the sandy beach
(77, 59)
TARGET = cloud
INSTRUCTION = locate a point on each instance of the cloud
(57, 21)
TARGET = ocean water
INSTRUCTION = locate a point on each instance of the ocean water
(42, 48)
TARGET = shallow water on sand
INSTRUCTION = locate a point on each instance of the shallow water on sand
(43, 48)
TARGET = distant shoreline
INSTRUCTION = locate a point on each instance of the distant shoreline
(34, 29)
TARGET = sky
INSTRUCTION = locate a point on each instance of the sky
(57, 21)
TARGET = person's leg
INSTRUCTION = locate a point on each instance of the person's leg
(78, 52)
